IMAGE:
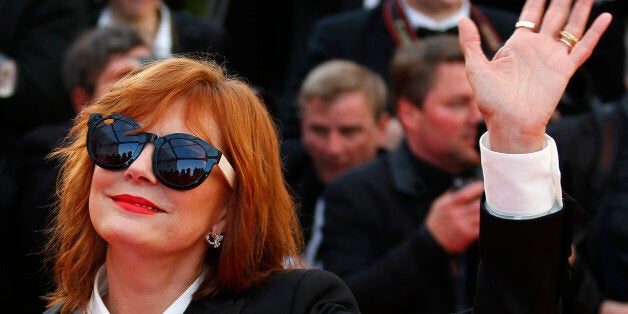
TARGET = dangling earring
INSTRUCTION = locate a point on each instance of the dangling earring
(216, 241)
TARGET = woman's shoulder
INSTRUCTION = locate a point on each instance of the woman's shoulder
(292, 291)
(304, 284)
(306, 291)
(304, 276)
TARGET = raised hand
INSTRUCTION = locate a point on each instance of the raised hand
(519, 89)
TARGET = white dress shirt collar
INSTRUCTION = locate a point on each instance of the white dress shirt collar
(418, 19)
(162, 47)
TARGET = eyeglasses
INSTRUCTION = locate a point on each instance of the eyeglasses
(180, 161)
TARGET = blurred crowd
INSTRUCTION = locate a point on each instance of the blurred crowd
(379, 130)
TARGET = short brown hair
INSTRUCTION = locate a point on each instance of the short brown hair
(89, 54)
(413, 66)
(332, 78)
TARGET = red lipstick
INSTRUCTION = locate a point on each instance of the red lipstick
(136, 204)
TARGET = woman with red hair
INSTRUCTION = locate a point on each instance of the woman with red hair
(203, 213)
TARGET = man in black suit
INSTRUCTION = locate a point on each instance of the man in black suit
(370, 37)
(343, 125)
(400, 230)
(166, 31)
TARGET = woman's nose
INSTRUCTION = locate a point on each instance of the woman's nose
(141, 170)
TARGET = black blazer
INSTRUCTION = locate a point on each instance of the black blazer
(294, 291)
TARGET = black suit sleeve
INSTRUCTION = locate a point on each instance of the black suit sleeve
(524, 263)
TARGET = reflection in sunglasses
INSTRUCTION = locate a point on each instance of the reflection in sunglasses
(180, 161)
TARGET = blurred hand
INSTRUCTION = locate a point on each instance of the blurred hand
(613, 307)
(454, 218)
(518, 91)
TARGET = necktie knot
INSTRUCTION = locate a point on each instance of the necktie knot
(423, 32)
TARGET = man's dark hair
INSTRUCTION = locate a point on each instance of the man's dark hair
(413, 66)
(89, 54)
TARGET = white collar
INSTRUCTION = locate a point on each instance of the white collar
(97, 306)
(418, 19)
(162, 45)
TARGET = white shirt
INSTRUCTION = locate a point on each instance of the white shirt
(162, 45)
(97, 306)
(418, 19)
(369, 4)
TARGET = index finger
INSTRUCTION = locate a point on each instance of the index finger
(469, 193)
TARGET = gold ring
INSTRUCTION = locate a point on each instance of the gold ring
(567, 36)
(566, 41)
(526, 24)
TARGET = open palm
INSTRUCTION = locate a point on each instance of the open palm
(518, 91)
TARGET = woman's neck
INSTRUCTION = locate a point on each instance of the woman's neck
(147, 284)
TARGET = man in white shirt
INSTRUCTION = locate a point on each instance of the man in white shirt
(167, 32)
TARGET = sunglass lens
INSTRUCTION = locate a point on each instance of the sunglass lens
(112, 146)
(182, 162)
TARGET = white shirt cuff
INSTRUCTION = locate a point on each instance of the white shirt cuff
(521, 186)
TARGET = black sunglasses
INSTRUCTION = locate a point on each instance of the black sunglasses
(180, 161)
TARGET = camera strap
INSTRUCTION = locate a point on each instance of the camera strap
(402, 32)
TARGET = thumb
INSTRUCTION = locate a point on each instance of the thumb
(471, 44)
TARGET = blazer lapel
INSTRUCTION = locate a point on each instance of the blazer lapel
(216, 305)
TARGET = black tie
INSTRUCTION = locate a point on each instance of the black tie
(423, 32)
